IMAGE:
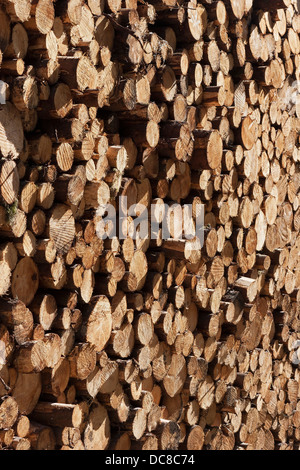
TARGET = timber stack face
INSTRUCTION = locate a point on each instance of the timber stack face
(147, 344)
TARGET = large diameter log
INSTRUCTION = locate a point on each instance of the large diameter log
(175, 378)
(25, 280)
(166, 85)
(11, 131)
(78, 73)
(82, 361)
(8, 412)
(247, 287)
(43, 17)
(169, 435)
(97, 431)
(236, 8)
(25, 93)
(70, 12)
(44, 309)
(22, 426)
(208, 151)
(97, 325)
(53, 349)
(9, 181)
(62, 228)
(53, 276)
(59, 104)
(123, 341)
(17, 318)
(5, 273)
(247, 134)
(41, 437)
(19, 43)
(66, 130)
(139, 267)
(197, 19)
(9, 255)
(55, 380)
(60, 414)
(70, 188)
(30, 357)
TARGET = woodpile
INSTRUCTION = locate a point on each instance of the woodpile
(138, 343)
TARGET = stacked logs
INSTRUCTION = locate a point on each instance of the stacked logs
(132, 343)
